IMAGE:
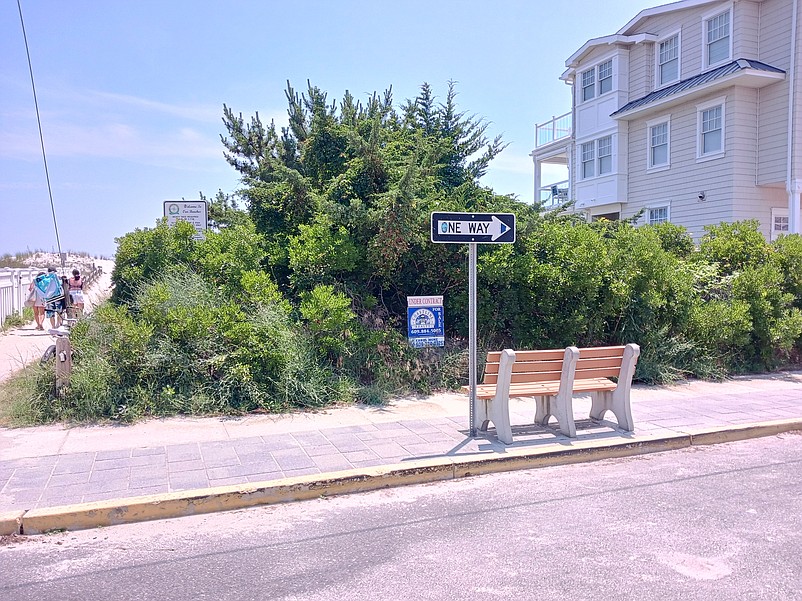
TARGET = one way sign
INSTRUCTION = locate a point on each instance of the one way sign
(493, 228)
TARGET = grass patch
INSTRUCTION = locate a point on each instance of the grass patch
(22, 402)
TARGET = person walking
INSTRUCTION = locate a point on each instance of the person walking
(54, 306)
(38, 305)
(76, 289)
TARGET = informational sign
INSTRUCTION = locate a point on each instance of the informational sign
(192, 211)
(425, 321)
(480, 228)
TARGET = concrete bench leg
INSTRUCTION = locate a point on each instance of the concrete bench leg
(617, 400)
(608, 400)
(497, 409)
(561, 404)
(561, 409)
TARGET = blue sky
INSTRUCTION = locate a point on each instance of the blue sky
(131, 92)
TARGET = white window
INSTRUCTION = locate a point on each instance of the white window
(711, 131)
(597, 81)
(605, 152)
(605, 77)
(668, 60)
(588, 160)
(588, 84)
(658, 215)
(717, 38)
(779, 223)
(596, 157)
(658, 144)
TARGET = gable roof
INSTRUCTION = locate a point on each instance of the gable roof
(661, 10)
(629, 33)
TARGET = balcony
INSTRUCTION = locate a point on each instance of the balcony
(553, 195)
(552, 131)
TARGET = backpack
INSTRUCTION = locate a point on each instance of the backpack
(48, 287)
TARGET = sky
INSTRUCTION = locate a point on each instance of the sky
(131, 93)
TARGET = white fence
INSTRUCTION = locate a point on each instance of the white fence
(14, 289)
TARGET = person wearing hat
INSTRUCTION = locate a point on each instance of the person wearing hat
(76, 287)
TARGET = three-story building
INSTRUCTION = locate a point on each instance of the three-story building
(690, 113)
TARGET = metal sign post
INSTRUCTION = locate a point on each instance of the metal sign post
(472, 229)
(472, 336)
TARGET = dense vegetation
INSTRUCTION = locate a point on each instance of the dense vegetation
(300, 299)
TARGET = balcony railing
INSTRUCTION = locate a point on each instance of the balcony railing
(553, 195)
(553, 130)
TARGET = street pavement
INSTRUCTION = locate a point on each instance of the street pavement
(55, 466)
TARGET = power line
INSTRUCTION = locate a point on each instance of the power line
(41, 136)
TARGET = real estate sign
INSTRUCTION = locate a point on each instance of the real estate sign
(425, 321)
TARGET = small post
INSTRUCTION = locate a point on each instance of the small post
(63, 362)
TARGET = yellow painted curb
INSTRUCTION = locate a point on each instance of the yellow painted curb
(10, 522)
(745, 431)
(226, 498)
(559, 454)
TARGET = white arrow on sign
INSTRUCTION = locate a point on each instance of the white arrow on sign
(494, 228)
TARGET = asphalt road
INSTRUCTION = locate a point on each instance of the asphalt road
(722, 522)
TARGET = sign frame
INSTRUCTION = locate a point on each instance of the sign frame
(472, 228)
(194, 212)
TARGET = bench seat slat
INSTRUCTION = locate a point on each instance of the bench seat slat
(484, 391)
(545, 355)
(591, 352)
(599, 363)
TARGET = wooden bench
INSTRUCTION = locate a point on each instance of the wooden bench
(552, 377)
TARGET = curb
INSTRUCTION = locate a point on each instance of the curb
(420, 471)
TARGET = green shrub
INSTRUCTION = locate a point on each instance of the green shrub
(734, 246)
(674, 239)
(776, 323)
(723, 328)
(143, 254)
(787, 256)
(329, 318)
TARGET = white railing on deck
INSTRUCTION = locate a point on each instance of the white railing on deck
(553, 195)
(553, 130)
(14, 287)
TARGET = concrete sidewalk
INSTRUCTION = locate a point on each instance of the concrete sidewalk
(54, 477)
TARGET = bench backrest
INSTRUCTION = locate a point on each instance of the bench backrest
(546, 366)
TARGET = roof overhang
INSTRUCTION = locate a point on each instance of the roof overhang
(637, 21)
(746, 77)
(609, 40)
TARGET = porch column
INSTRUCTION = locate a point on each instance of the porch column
(538, 177)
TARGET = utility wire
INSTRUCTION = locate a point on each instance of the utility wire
(41, 137)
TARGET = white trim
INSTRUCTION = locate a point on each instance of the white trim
(661, 10)
(650, 167)
(656, 207)
(611, 58)
(573, 61)
(775, 233)
(719, 10)
(657, 83)
(596, 160)
(700, 108)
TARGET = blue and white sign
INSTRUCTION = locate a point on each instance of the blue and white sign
(425, 321)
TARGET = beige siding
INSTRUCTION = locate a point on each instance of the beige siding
(775, 33)
(797, 150)
(775, 41)
(745, 28)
